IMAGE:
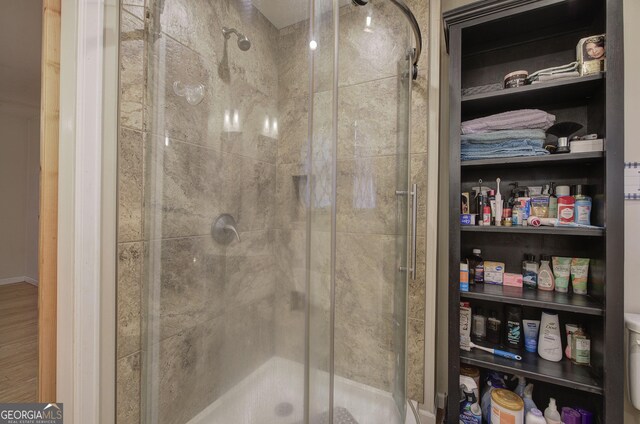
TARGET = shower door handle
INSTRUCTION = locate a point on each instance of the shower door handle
(414, 236)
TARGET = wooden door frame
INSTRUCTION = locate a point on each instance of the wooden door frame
(77, 297)
(48, 231)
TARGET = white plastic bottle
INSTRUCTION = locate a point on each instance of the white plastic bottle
(551, 414)
(534, 416)
(549, 342)
(545, 275)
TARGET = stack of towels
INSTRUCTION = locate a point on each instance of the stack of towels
(508, 134)
(569, 70)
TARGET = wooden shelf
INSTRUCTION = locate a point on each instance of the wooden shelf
(537, 161)
(552, 92)
(535, 298)
(569, 231)
(563, 373)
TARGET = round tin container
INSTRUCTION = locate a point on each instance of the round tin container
(506, 407)
(515, 79)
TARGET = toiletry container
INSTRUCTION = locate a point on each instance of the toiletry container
(476, 267)
(633, 366)
(587, 416)
(549, 341)
(545, 275)
(534, 416)
(494, 329)
(570, 416)
(529, 404)
(551, 414)
(506, 407)
(479, 330)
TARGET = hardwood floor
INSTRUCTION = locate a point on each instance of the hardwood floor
(18, 343)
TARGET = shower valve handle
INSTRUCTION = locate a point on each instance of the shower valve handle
(233, 229)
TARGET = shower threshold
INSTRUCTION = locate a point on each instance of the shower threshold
(273, 394)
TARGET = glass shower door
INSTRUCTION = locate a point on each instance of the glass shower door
(277, 212)
(373, 199)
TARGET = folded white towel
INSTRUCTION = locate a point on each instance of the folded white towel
(554, 77)
(514, 120)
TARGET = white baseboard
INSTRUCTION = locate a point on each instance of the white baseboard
(22, 279)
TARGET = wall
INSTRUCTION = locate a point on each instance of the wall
(632, 153)
(19, 182)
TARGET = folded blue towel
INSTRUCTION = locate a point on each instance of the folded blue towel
(505, 135)
(506, 149)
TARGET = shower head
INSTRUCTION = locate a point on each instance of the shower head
(243, 42)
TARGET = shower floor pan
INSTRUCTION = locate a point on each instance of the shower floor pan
(273, 394)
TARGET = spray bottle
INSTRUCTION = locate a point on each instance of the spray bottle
(529, 404)
(470, 412)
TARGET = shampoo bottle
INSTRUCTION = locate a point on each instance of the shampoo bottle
(549, 341)
(551, 414)
(545, 275)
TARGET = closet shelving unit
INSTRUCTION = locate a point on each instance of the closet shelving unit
(486, 40)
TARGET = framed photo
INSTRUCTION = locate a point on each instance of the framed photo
(592, 54)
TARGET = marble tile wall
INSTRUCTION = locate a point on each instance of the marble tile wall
(180, 166)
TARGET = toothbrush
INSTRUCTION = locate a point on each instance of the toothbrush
(498, 204)
(498, 352)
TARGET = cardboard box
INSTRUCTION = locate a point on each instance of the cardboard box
(512, 280)
(493, 272)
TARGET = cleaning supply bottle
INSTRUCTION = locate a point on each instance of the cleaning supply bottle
(551, 414)
(529, 404)
(522, 383)
(545, 275)
(534, 416)
(494, 381)
(470, 411)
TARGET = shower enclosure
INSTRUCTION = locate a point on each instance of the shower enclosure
(278, 211)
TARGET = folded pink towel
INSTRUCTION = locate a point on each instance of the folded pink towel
(514, 120)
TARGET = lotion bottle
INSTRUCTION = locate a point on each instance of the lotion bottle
(551, 414)
(549, 341)
(545, 275)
